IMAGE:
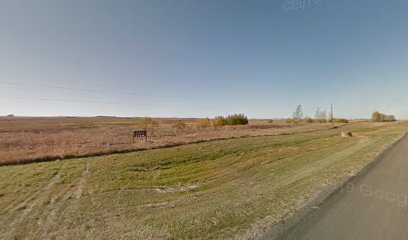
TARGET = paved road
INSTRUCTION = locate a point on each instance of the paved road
(373, 207)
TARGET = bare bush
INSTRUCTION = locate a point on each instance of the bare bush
(321, 116)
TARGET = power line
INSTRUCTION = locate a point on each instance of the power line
(98, 91)
(85, 101)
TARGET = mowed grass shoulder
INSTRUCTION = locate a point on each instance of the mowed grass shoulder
(217, 190)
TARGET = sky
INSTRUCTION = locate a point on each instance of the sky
(203, 58)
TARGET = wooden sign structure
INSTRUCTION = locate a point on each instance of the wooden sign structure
(142, 133)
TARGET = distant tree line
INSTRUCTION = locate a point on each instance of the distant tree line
(320, 117)
(151, 125)
(219, 121)
(381, 117)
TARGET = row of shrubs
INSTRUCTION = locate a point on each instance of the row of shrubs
(381, 117)
(234, 119)
(219, 121)
(311, 120)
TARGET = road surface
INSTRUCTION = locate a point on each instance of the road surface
(374, 206)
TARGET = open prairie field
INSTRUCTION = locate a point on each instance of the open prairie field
(221, 189)
(38, 139)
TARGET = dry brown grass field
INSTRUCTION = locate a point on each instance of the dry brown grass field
(27, 139)
(222, 189)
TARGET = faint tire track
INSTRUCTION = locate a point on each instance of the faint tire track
(70, 203)
(32, 202)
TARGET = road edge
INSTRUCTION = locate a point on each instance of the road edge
(279, 230)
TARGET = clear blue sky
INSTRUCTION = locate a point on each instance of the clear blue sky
(198, 58)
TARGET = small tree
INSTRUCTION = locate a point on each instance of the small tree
(298, 114)
(148, 124)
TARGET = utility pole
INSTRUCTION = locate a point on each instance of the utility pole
(332, 115)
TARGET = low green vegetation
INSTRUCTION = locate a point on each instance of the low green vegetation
(234, 119)
(237, 119)
(211, 190)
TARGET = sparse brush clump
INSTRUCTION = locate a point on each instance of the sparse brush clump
(339, 120)
(320, 116)
(381, 117)
(270, 121)
(180, 125)
(309, 120)
(204, 123)
(292, 121)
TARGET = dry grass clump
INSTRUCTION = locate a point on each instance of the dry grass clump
(204, 123)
